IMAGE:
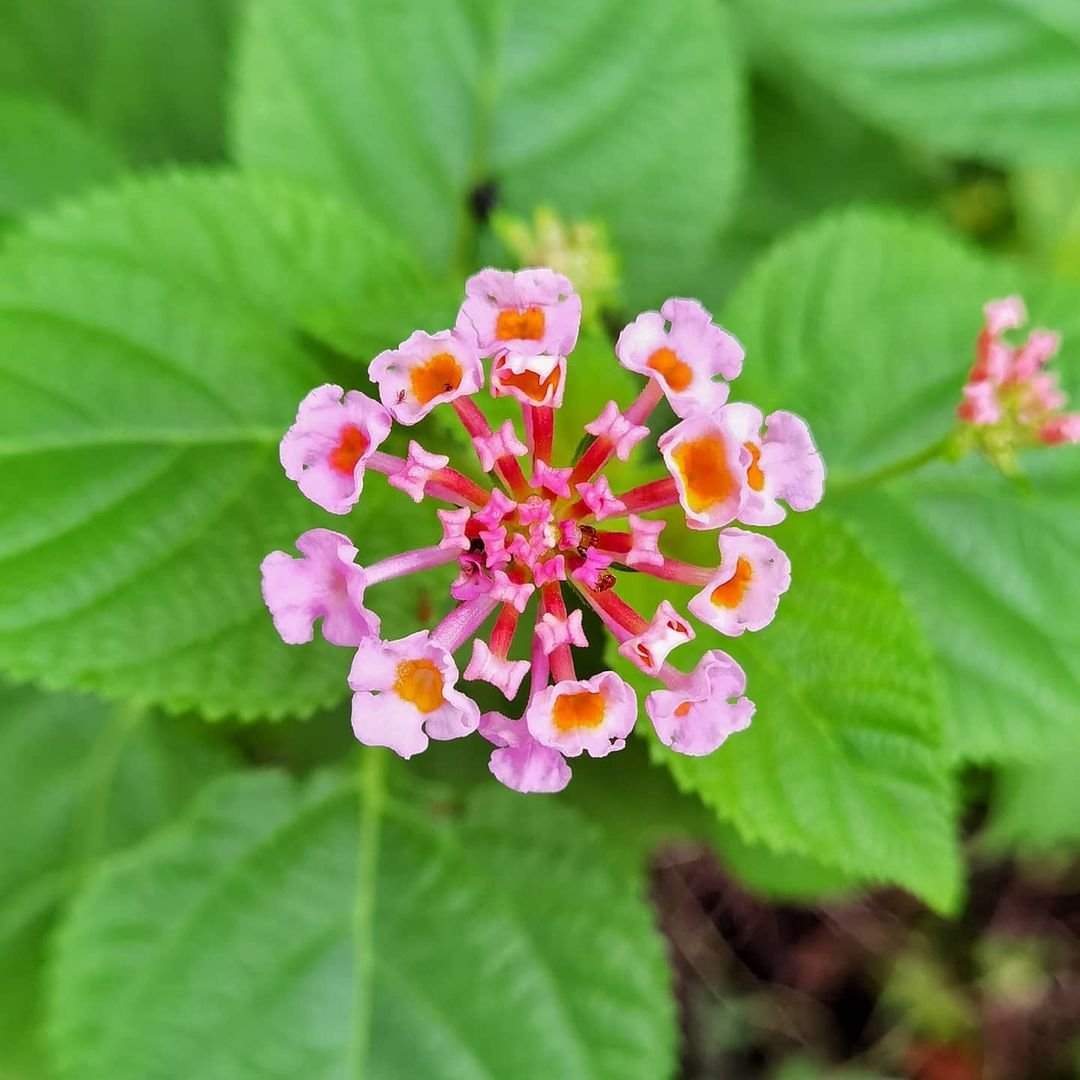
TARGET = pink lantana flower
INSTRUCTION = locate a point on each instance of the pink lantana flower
(784, 463)
(1009, 400)
(698, 711)
(424, 371)
(684, 352)
(404, 693)
(328, 448)
(324, 584)
(528, 312)
(536, 542)
(745, 591)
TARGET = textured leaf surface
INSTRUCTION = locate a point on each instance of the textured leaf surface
(80, 779)
(511, 947)
(154, 344)
(998, 80)
(46, 154)
(843, 760)
(628, 113)
(866, 325)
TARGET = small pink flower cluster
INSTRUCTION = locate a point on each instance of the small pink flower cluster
(1009, 393)
(540, 538)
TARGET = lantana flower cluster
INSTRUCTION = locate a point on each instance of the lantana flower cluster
(541, 541)
(1010, 401)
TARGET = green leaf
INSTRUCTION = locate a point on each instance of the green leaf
(46, 154)
(842, 763)
(154, 344)
(160, 76)
(998, 81)
(43, 49)
(866, 325)
(627, 113)
(82, 779)
(1036, 806)
(509, 946)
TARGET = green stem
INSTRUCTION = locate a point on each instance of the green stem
(371, 792)
(935, 450)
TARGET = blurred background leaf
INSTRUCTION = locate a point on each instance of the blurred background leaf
(426, 114)
(80, 779)
(512, 946)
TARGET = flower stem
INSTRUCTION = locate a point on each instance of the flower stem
(935, 450)
(371, 797)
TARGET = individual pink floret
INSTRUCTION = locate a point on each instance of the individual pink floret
(324, 584)
(784, 463)
(404, 694)
(651, 648)
(592, 716)
(597, 496)
(507, 591)
(521, 763)
(532, 379)
(530, 311)
(327, 449)
(552, 569)
(644, 541)
(596, 562)
(554, 632)
(503, 674)
(557, 481)
(420, 466)
(453, 523)
(709, 465)
(700, 710)
(499, 444)
(624, 434)
(498, 507)
(426, 370)
(684, 351)
(746, 590)
(1060, 430)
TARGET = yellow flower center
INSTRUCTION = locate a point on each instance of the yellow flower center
(754, 476)
(421, 683)
(441, 374)
(731, 593)
(679, 374)
(583, 709)
(706, 477)
(351, 446)
(527, 325)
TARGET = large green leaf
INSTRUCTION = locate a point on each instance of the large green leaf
(997, 80)
(44, 154)
(629, 113)
(160, 76)
(154, 344)
(80, 779)
(865, 324)
(843, 760)
(508, 947)
(148, 74)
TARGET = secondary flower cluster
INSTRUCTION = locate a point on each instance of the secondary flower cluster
(1010, 400)
(542, 532)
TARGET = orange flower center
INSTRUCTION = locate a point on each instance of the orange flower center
(421, 683)
(584, 709)
(528, 382)
(351, 447)
(664, 362)
(754, 476)
(730, 594)
(683, 709)
(704, 471)
(527, 325)
(441, 374)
